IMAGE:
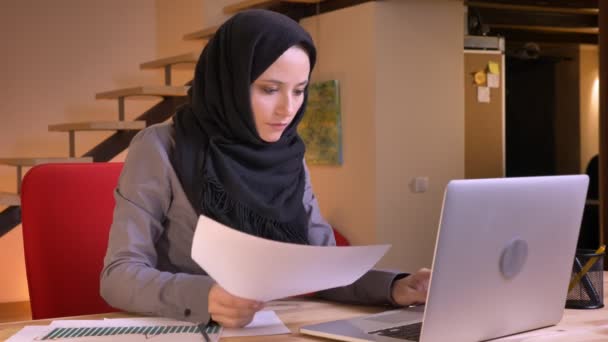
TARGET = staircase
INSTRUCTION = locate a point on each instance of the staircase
(172, 97)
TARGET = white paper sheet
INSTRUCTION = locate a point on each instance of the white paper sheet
(118, 322)
(35, 333)
(29, 333)
(483, 94)
(493, 81)
(265, 322)
(147, 320)
(255, 268)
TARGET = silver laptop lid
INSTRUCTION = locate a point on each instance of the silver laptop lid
(503, 256)
(502, 263)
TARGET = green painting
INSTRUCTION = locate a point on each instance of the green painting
(321, 127)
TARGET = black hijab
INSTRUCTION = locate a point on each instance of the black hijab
(227, 171)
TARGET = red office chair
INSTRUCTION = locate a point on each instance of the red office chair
(66, 214)
(67, 211)
(341, 240)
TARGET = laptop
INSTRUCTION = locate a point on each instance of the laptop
(502, 264)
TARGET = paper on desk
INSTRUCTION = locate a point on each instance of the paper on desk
(117, 322)
(146, 320)
(255, 268)
(29, 333)
(36, 333)
(264, 323)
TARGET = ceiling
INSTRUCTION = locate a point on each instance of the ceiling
(519, 21)
(541, 21)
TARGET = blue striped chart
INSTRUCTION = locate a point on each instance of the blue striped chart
(147, 331)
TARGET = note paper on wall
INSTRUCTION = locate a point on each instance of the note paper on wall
(483, 94)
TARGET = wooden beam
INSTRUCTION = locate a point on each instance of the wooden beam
(186, 58)
(556, 6)
(545, 37)
(300, 11)
(549, 29)
(247, 4)
(144, 91)
(547, 3)
(492, 16)
(531, 8)
(99, 126)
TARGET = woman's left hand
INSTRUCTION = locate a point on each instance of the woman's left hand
(411, 289)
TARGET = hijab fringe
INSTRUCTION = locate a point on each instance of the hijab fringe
(216, 200)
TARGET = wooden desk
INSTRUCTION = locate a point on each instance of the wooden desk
(576, 325)
(293, 313)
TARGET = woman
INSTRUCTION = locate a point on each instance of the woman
(232, 154)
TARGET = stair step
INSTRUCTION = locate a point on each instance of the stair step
(247, 4)
(144, 91)
(36, 161)
(98, 126)
(9, 199)
(189, 58)
(202, 34)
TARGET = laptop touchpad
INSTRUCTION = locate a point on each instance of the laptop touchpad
(400, 316)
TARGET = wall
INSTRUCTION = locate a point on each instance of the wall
(174, 19)
(394, 126)
(213, 11)
(589, 104)
(419, 121)
(55, 56)
(346, 192)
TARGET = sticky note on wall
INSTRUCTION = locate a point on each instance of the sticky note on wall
(493, 68)
(483, 94)
(493, 80)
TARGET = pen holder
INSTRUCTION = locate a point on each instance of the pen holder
(586, 290)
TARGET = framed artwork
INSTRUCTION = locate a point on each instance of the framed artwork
(321, 127)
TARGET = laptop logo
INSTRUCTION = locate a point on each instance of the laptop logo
(513, 258)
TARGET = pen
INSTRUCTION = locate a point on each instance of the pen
(586, 268)
(203, 328)
(211, 331)
(586, 283)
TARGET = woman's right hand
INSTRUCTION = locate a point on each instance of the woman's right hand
(231, 311)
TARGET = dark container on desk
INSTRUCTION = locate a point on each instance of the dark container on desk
(588, 293)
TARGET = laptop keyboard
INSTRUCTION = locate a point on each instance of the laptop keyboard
(410, 332)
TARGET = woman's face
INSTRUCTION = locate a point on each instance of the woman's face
(278, 94)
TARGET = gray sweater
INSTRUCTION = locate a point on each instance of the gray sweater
(148, 268)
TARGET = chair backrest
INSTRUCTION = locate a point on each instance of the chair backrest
(67, 211)
(341, 240)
